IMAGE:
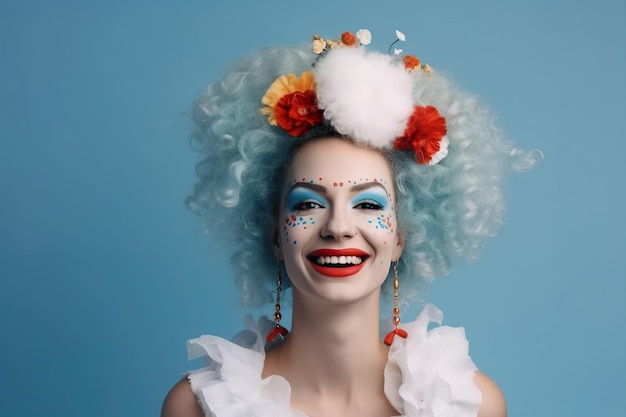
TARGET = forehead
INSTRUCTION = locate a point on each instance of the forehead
(338, 159)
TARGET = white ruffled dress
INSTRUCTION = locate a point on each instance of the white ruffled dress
(429, 374)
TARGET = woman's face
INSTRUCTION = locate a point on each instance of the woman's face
(337, 230)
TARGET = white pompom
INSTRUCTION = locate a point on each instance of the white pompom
(365, 95)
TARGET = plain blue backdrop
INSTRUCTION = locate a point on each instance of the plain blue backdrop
(104, 274)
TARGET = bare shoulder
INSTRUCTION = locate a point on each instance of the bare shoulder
(493, 403)
(181, 402)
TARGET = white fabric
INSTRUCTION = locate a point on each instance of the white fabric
(429, 374)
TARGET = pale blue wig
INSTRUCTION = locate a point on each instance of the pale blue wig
(444, 211)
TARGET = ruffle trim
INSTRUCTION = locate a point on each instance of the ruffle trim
(429, 374)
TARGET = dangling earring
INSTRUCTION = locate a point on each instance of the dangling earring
(278, 329)
(396, 311)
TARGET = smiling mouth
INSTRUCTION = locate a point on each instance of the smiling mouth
(337, 263)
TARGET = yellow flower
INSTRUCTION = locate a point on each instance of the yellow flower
(283, 86)
(319, 45)
(427, 69)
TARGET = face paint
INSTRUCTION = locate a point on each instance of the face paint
(374, 198)
(338, 215)
(303, 196)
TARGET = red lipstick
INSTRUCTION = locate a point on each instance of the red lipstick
(337, 271)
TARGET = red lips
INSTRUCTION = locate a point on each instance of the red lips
(337, 271)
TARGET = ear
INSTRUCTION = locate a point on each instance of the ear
(399, 246)
(275, 243)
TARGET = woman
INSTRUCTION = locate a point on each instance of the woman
(350, 176)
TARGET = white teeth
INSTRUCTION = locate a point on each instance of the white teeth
(338, 260)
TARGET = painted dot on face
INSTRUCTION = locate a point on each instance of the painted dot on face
(334, 184)
(341, 184)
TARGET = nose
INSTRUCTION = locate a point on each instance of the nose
(339, 225)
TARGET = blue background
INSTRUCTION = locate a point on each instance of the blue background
(104, 274)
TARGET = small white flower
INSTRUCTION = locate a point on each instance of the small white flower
(400, 36)
(364, 36)
(397, 51)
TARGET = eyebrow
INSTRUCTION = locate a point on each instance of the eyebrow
(355, 188)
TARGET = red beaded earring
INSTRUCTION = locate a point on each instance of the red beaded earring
(396, 311)
(278, 330)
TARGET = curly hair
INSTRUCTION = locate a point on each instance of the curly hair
(444, 211)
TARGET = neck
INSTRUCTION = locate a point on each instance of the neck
(333, 348)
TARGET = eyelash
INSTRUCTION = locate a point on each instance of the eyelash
(313, 204)
(307, 205)
(370, 205)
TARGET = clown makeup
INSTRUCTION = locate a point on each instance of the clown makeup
(304, 196)
(373, 197)
(338, 217)
(369, 197)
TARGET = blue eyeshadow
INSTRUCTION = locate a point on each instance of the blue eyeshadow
(299, 195)
(378, 196)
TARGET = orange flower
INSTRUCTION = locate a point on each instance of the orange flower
(424, 133)
(291, 103)
(348, 39)
(410, 62)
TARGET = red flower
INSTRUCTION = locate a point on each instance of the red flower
(410, 62)
(297, 112)
(423, 134)
(348, 39)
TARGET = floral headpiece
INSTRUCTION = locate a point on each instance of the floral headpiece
(365, 95)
